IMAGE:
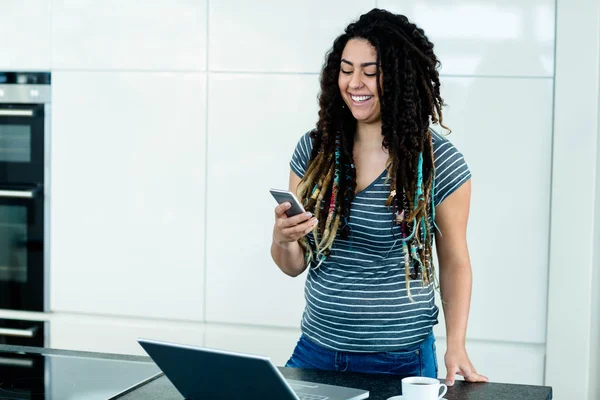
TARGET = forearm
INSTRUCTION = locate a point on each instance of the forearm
(455, 286)
(289, 257)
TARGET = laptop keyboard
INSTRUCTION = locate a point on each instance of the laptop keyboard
(306, 396)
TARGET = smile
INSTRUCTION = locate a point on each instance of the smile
(360, 99)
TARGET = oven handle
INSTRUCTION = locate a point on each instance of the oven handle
(9, 112)
(20, 194)
(28, 333)
(16, 362)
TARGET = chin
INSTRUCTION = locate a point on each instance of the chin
(362, 117)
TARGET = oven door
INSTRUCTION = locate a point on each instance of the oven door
(22, 247)
(22, 375)
(18, 332)
(22, 142)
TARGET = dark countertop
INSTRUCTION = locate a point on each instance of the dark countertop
(380, 386)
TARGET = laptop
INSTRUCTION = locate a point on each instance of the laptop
(201, 373)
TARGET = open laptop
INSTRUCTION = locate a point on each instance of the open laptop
(201, 373)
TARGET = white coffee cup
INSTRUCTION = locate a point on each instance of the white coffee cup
(421, 388)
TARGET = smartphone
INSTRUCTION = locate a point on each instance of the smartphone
(285, 195)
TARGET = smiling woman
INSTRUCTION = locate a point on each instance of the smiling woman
(376, 181)
(358, 80)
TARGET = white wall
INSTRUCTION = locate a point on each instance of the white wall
(171, 119)
(594, 369)
(572, 333)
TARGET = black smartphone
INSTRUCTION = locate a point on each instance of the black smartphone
(285, 195)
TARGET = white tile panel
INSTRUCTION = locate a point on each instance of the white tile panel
(127, 194)
(254, 124)
(134, 35)
(275, 35)
(481, 37)
(118, 335)
(25, 32)
(504, 129)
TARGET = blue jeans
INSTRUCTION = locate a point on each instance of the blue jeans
(417, 360)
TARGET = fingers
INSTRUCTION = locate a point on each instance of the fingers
(281, 209)
(290, 229)
(300, 229)
(452, 371)
(473, 376)
(295, 220)
(469, 374)
(283, 221)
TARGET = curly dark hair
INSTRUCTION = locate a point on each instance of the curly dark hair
(410, 102)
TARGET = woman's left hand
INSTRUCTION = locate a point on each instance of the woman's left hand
(457, 362)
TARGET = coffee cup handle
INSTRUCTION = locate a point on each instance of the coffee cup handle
(444, 392)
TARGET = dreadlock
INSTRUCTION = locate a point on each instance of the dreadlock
(411, 101)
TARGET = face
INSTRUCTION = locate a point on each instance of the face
(358, 81)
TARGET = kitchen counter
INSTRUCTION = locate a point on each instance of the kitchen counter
(380, 386)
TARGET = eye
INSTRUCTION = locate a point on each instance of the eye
(345, 72)
(370, 75)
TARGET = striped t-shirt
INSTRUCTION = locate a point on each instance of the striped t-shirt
(357, 300)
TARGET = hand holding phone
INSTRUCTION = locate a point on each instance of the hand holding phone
(296, 222)
(285, 195)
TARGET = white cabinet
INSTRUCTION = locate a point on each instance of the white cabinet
(163, 35)
(486, 38)
(504, 129)
(118, 335)
(25, 31)
(249, 148)
(127, 194)
(277, 36)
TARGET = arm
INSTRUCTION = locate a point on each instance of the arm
(455, 280)
(285, 249)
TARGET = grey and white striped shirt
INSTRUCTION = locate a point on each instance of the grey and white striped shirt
(357, 300)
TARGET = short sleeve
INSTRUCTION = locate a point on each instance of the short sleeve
(301, 155)
(451, 169)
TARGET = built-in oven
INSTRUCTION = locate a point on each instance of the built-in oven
(22, 376)
(24, 130)
(22, 247)
(18, 332)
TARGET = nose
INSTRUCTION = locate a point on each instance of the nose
(355, 82)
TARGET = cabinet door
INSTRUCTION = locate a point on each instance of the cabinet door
(25, 31)
(506, 140)
(247, 155)
(158, 35)
(119, 336)
(480, 37)
(276, 36)
(127, 194)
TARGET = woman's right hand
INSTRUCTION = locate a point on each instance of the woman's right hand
(290, 229)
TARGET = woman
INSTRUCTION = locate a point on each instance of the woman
(378, 185)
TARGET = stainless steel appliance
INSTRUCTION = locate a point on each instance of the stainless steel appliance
(24, 133)
(23, 332)
(45, 375)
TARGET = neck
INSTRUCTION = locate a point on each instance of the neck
(369, 134)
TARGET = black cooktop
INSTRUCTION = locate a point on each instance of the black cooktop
(58, 377)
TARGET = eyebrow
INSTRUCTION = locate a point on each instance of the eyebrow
(366, 64)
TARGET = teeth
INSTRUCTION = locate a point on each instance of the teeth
(361, 98)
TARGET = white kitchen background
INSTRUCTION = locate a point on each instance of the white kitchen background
(172, 119)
